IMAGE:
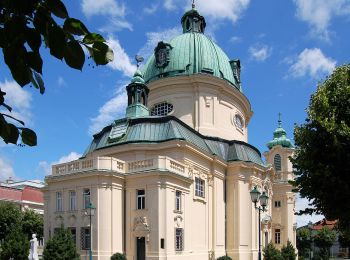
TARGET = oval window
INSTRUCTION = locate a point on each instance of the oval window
(162, 109)
(238, 121)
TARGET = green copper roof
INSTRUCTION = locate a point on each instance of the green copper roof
(138, 77)
(153, 130)
(280, 137)
(191, 53)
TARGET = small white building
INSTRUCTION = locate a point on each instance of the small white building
(172, 179)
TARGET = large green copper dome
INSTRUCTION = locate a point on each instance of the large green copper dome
(191, 53)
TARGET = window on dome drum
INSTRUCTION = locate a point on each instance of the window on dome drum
(162, 109)
(277, 204)
(140, 199)
(277, 236)
(72, 200)
(178, 200)
(277, 162)
(179, 245)
(85, 238)
(86, 198)
(199, 188)
(59, 204)
(238, 121)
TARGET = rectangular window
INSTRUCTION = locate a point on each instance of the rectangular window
(72, 200)
(277, 236)
(141, 200)
(162, 243)
(178, 200)
(59, 205)
(86, 198)
(85, 238)
(179, 245)
(73, 231)
(199, 189)
(277, 204)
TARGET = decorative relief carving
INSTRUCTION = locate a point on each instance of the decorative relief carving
(141, 227)
(210, 179)
(178, 219)
(208, 101)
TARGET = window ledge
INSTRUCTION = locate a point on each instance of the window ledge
(200, 199)
(177, 211)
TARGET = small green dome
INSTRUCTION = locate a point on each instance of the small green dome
(191, 53)
(280, 137)
(138, 77)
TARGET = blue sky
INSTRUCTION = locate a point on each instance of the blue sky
(285, 47)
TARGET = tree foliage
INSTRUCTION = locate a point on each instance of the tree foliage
(288, 252)
(118, 256)
(225, 257)
(61, 246)
(32, 223)
(324, 239)
(271, 252)
(304, 240)
(26, 26)
(10, 218)
(15, 246)
(322, 157)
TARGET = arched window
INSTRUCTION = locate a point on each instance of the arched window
(277, 162)
(162, 109)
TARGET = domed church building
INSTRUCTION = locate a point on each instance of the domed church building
(173, 179)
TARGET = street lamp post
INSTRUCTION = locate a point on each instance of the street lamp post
(91, 212)
(256, 196)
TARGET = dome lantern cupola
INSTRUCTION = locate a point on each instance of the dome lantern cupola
(192, 21)
(280, 136)
(137, 96)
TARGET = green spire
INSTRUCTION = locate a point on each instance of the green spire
(280, 136)
(137, 96)
(192, 21)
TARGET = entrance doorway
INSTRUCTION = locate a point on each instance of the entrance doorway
(140, 248)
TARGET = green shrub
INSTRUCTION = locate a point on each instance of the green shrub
(288, 252)
(272, 253)
(225, 257)
(118, 256)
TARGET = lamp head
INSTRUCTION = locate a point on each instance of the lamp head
(254, 195)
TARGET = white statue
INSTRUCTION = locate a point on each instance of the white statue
(33, 251)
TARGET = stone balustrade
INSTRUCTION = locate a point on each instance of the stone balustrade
(115, 165)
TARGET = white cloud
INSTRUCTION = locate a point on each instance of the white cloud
(45, 167)
(103, 7)
(319, 13)
(110, 111)
(301, 204)
(259, 52)
(115, 24)
(122, 61)
(151, 10)
(169, 5)
(312, 62)
(235, 39)
(6, 170)
(61, 82)
(19, 99)
(218, 10)
(154, 37)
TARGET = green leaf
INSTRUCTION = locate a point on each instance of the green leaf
(92, 38)
(101, 53)
(12, 134)
(57, 8)
(74, 55)
(75, 26)
(15, 58)
(33, 39)
(29, 137)
(35, 62)
(57, 42)
(38, 82)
